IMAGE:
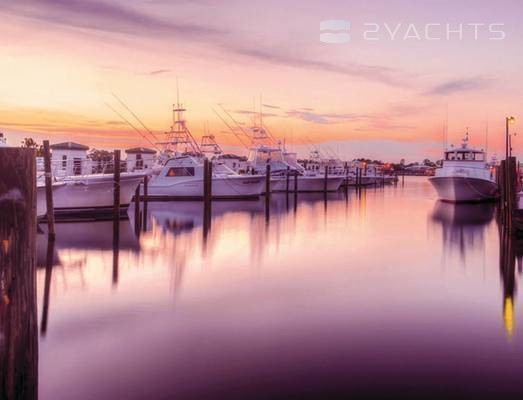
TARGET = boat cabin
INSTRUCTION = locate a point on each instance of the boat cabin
(261, 156)
(140, 158)
(464, 155)
(70, 158)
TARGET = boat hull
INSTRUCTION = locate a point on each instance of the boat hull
(307, 184)
(464, 189)
(89, 193)
(226, 187)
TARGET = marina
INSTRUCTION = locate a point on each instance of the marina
(158, 296)
(261, 200)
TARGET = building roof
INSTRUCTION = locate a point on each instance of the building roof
(69, 146)
(142, 150)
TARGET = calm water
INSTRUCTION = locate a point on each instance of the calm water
(382, 292)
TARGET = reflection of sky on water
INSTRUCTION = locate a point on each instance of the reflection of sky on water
(382, 286)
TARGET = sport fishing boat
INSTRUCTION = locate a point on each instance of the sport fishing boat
(182, 178)
(87, 193)
(282, 162)
(465, 175)
(181, 171)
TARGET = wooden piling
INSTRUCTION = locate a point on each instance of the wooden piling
(295, 182)
(18, 316)
(145, 201)
(116, 187)
(325, 180)
(49, 190)
(137, 210)
(207, 196)
(267, 186)
(287, 180)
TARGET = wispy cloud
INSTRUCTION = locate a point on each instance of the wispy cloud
(459, 85)
(102, 16)
(376, 73)
(159, 72)
(324, 118)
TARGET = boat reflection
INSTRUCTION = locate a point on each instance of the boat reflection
(462, 225)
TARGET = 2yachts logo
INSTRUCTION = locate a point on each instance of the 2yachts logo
(335, 25)
(373, 31)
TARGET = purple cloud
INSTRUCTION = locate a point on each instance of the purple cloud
(459, 85)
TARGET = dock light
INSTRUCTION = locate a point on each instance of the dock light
(508, 121)
(511, 120)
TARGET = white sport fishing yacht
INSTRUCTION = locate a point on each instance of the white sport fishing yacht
(181, 174)
(87, 193)
(262, 154)
(465, 175)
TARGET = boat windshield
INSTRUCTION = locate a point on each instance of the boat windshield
(464, 156)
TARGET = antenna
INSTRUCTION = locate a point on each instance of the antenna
(122, 103)
(132, 126)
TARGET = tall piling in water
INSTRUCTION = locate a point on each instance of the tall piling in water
(18, 324)
(116, 186)
(267, 186)
(207, 196)
(49, 190)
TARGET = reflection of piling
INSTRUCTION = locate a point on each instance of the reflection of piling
(49, 190)
(116, 250)
(18, 324)
(47, 285)
(507, 267)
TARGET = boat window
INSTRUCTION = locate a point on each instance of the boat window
(479, 157)
(180, 171)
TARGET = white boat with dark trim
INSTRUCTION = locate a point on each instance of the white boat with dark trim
(182, 178)
(87, 193)
(465, 176)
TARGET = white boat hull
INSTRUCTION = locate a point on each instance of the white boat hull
(307, 183)
(464, 189)
(223, 187)
(91, 192)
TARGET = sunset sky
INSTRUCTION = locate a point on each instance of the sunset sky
(388, 98)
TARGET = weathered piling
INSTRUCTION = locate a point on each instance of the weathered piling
(145, 201)
(137, 210)
(325, 180)
(207, 196)
(287, 180)
(116, 187)
(49, 190)
(267, 187)
(18, 324)
(295, 183)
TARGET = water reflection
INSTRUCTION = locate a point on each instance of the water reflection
(312, 299)
(463, 225)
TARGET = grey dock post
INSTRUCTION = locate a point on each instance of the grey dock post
(18, 315)
(116, 204)
(325, 180)
(137, 210)
(267, 181)
(287, 180)
(49, 190)
(207, 194)
(145, 200)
